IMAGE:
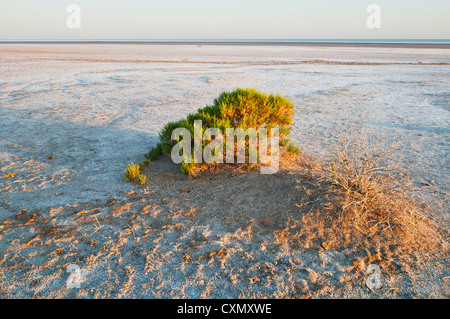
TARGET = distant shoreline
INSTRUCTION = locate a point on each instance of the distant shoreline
(424, 45)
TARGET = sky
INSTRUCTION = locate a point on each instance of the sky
(224, 19)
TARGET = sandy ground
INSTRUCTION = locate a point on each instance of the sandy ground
(72, 117)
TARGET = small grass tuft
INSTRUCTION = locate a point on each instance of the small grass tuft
(284, 142)
(141, 180)
(293, 149)
(132, 172)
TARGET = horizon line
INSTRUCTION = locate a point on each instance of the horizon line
(401, 43)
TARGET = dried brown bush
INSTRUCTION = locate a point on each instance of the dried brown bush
(374, 193)
(362, 161)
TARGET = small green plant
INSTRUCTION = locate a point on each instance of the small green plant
(293, 149)
(155, 152)
(283, 142)
(142, 179)
(132, 172)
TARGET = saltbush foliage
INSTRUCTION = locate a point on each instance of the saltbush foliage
(241, 108)
(133, 173)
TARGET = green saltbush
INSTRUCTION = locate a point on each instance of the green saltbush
(242, 108)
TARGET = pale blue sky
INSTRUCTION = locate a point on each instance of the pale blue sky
(225, 19)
